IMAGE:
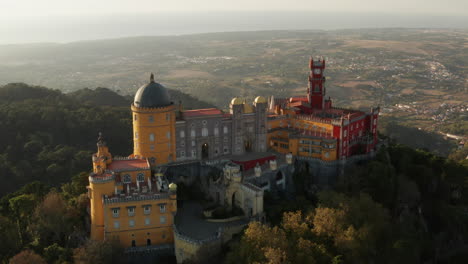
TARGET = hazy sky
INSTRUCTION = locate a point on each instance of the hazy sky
(27, 8)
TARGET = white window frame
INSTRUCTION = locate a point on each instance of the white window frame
(204, 132)
(115, 212)
(131, 211)
(127, 178)
(141, 177)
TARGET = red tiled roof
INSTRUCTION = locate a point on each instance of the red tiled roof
(202, 112)
(298, 98)
(128, 164)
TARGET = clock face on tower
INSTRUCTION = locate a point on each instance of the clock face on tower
(317, 71)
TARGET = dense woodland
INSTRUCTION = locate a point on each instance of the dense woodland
(407, 205)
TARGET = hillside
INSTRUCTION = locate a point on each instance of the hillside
(49, 136)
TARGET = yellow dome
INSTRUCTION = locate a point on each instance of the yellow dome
(260, 99)
(248, 108)
(236, 101)
(173, 187)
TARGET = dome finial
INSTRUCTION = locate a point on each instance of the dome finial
(152, 77)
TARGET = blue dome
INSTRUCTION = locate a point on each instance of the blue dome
(152, 94)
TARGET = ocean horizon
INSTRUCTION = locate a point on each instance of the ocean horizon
(80, 28)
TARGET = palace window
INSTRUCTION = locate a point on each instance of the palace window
(147, 209)
(162, 219)
(151, 137)
(168, 135)
(127, 178)
(131, 211)
(151, 119)
(168, 117)
(204, 132)
(226, 150)
(192, 133)
(216, 131)
(116, 224)
(194, 153)
(115, 212)
(193, 143)
(182, 134)
(147, 221)
(152, 147)
(182, 154)
(162, 208)
(182, 143)
(225, 129)
(141, 177)
(131, 223)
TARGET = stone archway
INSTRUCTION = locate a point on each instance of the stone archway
(205, 151)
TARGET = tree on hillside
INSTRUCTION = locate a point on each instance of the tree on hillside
(27, 257)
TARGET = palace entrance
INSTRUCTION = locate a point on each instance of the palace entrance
(205, 151)
(248, 145)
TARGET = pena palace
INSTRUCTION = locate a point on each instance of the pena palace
(135, 203)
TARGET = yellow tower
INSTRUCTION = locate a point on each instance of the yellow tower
(101, 182)
(154, 124)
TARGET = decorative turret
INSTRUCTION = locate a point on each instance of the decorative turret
(273, 165)
(103, 157)
(289, 158)
(258, 170)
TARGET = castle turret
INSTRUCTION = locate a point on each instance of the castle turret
(237, 111)
(261, 105)
(316, 90)
(154, 124)
(102, 157)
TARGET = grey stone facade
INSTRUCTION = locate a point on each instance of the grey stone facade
(210, 134)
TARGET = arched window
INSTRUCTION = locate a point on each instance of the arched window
(204, 132)
(127, 178)
(151, 137)
(140, 177)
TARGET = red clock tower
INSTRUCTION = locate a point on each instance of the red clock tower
(316, 90)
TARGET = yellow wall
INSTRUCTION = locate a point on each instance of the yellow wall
(96, 191)
(159, 233)
(164, 147)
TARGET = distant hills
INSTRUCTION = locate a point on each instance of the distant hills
(96, 97)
